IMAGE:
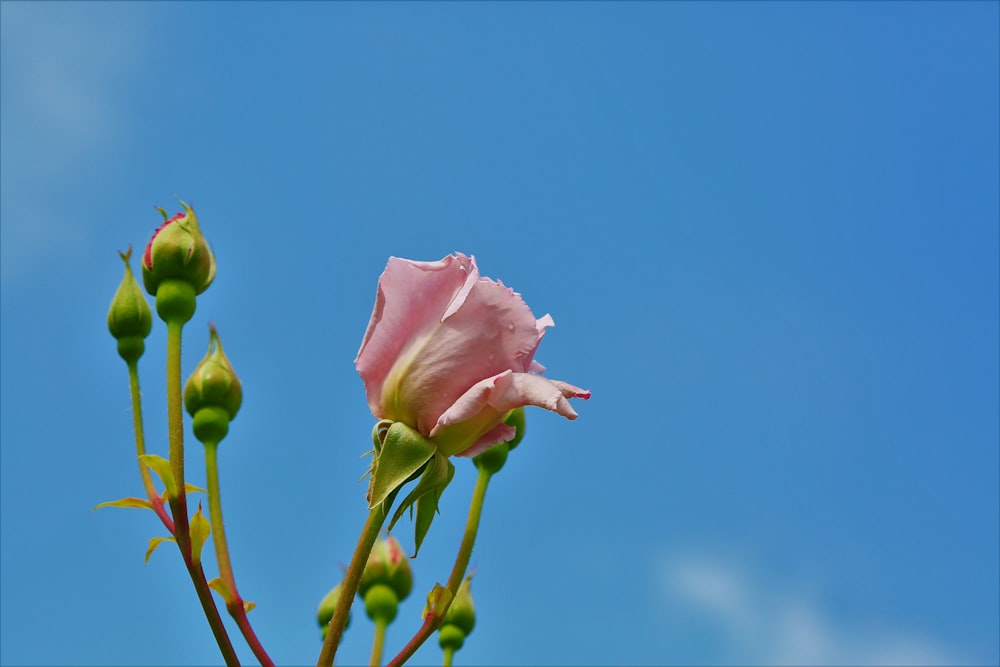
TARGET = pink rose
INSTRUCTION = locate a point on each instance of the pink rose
(450, 353)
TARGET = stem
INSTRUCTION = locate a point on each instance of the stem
(369, 533)
(433, 619)
(175, 430)
(234, 604)
(449, 654)
(140, 447)
(178, 504)
(215, 517)
(378, 642)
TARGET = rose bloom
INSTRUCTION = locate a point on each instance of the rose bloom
(450, 353)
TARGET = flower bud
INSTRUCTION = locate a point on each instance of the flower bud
(460, 618)
(381, 603)
(328, 606)
(493, 459)
(178, 251)
(213, 394)
(387, 565)
(130, 317)
(515, 418)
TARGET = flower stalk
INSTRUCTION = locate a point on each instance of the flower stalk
(352, 579)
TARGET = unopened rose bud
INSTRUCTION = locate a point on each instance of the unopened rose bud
(516, 419)
(177, 253)
(213, 394)
(494, 458)
(460, 618)
(387, 565)
(129, 317)
(327, 607)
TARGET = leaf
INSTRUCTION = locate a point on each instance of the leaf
(248, 606)
(200, 529)
(155, 542)
(401, 454)
(191, 488)
(161, 467)
(140, 503)
(219, 586)
(438, 601)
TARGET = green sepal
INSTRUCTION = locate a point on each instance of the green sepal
(220, 587)
(426, 494)
(140, 503)
(400, 452)
(161, 467)
(437, 602)
(155, 542)
(200, 530)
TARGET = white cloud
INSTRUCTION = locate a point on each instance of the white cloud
(763, 625)
(65, 70)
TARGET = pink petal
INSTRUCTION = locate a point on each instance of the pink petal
(410, 301)
(500, 433)
(485, 403)
(437, 330)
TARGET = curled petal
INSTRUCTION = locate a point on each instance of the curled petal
(477, 412)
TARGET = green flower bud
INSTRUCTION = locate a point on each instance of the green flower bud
(326, 608)
(515, 418)
(492, 459)
(450, 637)
(462, 612)
(381, 603)
(387, 565)
(213, 394)
(130, 318)
(460, 618)
(178, 251)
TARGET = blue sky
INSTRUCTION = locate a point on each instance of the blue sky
(767, 233)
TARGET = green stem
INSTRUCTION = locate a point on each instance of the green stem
(378, 643)
(215, 517)
(449, 655)
(140, 447)
(175, 431)
(369, 533)
(234, 603)
(178, 503)
(434, 620)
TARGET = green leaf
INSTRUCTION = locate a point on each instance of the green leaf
(141, 503)
(155, 542)
(191, 488)
(219, 586)
(161, 467)
(399, 456)
(248, 606)
(437, 602)
(426, 494)
(200, 529)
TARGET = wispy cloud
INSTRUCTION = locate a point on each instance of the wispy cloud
(761, 624)
(65, 69)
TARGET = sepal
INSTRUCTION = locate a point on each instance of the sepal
(436, 477)
(400, 453)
